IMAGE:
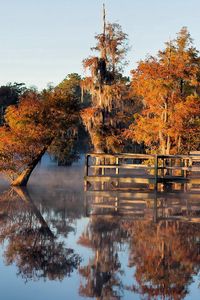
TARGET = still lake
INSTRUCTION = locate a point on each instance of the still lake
(55, 244)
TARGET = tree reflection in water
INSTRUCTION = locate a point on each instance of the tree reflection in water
(102, 274)
(164, 256)
(30, 243)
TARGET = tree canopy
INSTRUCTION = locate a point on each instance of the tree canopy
(168, 87)
(111, 108)
(36, 122)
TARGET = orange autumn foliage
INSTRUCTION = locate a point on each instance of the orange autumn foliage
(169, 87)
(31, 127)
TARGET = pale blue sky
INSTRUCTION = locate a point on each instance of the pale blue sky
(44, 40)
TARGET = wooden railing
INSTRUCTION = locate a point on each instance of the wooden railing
(135, 169)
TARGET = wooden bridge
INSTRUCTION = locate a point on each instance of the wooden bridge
(140, 171)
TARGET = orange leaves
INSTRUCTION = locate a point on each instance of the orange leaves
(33, 124)
(161, 254)
(87, 84)
(92, 61)
(114, 143)
(167, 86)
(88, 113)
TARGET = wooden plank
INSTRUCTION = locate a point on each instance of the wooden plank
(132, 205)
(124, 176)
(129, 179)
(145, 195)
(133, 201)
(174, 156)
(123, 166)
(195, 180)
(136, 178)
(122, 155)
(177, 168)
(122, 201)
(103, 205)
(195, 168)
(145, 156)
(120, 208)
(120, 194)
(137, 212)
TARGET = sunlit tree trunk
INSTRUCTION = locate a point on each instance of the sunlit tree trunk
(23, 178)
(165, 143)
(168, 145)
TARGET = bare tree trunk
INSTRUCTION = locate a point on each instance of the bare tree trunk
(179, 144)
(166, 112)
(162, 142)
(23, 178)
(168, 145)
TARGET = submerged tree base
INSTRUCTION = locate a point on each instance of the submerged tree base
(23, 178)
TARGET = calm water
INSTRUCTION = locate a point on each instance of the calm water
(58, 243)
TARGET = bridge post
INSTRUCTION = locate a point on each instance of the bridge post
(86, 171)
(156, 171)
(117, 162)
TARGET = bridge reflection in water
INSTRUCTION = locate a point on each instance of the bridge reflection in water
(159, 232)
(154, 206)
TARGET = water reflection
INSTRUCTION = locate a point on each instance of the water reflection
(162, 232)
(105, 237)
(165, 255)
(101, 245)
(30, 243)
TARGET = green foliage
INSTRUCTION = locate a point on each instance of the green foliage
(9, 95)
(71, 85)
